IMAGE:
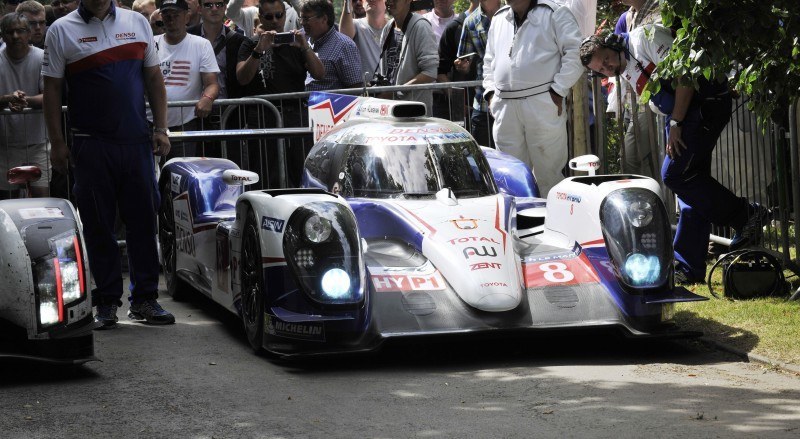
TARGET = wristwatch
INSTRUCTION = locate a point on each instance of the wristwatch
(161, 130)
(675, 123)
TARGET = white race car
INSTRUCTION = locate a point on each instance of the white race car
(45, 306)
(405, 227)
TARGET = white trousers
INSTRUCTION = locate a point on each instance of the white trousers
(531, 130)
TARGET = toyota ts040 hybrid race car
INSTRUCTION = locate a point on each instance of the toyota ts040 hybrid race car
(405, 227)
(45, 308)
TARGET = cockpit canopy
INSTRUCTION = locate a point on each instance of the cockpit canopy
(373, 165)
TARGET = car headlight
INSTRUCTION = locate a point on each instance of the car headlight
(59, 278)
(317, 229)
(638, 238)
(322, 239)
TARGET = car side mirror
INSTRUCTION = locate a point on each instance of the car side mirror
(588, 163)
(239, 176)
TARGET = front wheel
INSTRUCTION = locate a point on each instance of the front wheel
(166, 238)
(253, 291)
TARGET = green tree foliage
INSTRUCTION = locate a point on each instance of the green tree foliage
(757, 41)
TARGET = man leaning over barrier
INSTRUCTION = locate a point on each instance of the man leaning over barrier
(696, 120)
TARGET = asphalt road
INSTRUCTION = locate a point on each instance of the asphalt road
(199, 379)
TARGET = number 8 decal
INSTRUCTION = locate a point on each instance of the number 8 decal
(556, 272)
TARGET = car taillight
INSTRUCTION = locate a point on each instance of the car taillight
(59, 278)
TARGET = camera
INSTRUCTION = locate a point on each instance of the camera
(379, 80)
(418, 5)
(284, 38)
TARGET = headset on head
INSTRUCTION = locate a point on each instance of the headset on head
(611, 41)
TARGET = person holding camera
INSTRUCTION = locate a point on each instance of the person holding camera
(271, 62)
(410, 54)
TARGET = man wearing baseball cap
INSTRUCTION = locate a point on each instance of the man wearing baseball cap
(190, 72)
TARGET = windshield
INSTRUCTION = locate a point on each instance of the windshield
(411, 171)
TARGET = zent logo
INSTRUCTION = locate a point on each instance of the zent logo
(485, 265)
(87, 40)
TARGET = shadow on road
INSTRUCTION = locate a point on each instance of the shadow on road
(570, 348)
(743, 340)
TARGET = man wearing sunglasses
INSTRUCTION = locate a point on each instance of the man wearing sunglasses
(225, 43)
(245, 12)
(33, 11)
(265, 67)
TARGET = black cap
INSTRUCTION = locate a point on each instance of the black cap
(178, 5)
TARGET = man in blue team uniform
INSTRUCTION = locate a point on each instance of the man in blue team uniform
(106, 56)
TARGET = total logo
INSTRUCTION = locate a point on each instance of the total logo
(240, 178)
(466, 239)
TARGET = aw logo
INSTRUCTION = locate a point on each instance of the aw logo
(273, 224)
(472, 251)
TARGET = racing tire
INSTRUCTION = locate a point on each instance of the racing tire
(176, 287)
(252, 278)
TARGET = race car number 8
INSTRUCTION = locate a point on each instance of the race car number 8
(556, 272)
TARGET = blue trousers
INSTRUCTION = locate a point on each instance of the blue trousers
(109, 178)
(702, 199)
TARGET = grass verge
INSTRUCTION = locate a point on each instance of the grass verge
(765, 326)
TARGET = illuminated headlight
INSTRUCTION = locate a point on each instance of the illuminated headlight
(336, 283)
(317, 229)
(642, 270)
(58, 278)
(638, 237)
(49, 307)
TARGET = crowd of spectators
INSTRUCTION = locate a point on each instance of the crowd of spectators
(210, 50)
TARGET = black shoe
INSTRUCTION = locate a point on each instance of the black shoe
(681, 278)
(752, 231)
(150, 311)
(106, 316)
